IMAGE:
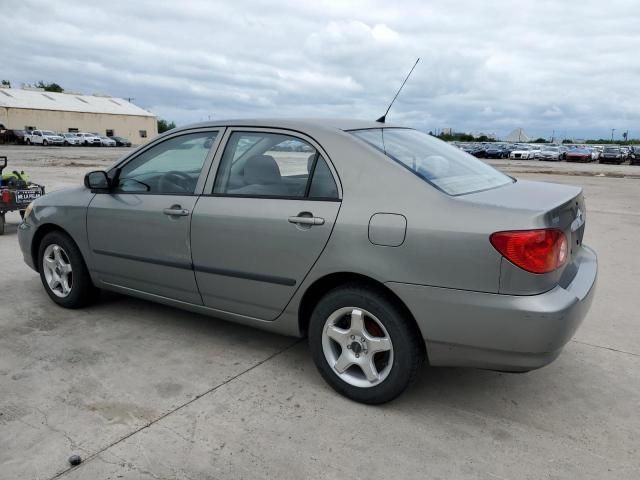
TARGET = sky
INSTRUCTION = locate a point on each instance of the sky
(569, 66)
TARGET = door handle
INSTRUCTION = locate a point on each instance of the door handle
(304, 220)
(176, 211)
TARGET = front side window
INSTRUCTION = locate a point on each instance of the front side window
(445, 167)
(273, 165)
(171, 167)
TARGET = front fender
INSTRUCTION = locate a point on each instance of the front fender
(63, 210)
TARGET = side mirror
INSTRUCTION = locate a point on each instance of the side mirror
(97, 181)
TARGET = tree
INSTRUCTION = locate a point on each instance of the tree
(540, 140)
(50, 87)
(5, 83)
(566, 140)
(164, 126)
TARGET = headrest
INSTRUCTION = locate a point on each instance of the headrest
(310, 162)
(261, 170)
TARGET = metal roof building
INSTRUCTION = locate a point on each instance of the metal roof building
(70, 112)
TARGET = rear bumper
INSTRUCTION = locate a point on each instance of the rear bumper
(500, 332)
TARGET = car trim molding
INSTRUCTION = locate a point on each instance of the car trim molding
(289, 282)
(164, 263)
(258, 277)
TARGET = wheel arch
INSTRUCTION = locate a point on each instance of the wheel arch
(39, 235)
(328, 282)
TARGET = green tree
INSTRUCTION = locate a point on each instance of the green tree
(566, 140)
(164, 126)
(5, 83)
(50, 87)
(540, 140)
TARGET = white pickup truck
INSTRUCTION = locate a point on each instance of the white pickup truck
(43, 137)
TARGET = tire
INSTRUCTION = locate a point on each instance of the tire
(28, 142)
(385, 325)
(45, 143)
(81, 291)
(2, 222)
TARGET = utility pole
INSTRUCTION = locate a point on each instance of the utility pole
(612, 130)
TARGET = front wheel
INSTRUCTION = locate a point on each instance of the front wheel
(63, 272)
(45, 143)
(364, 346)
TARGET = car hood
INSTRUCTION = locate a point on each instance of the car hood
(64, 196)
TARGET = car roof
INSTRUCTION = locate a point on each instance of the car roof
(295, 123)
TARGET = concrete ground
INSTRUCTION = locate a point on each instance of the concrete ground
(143, 391)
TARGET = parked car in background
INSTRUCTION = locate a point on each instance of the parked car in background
(13, 136)
(44, 138)
(579, 155)
(625, 152)
(89, 139)
(522, 153)
(70, 139)
(107, 142)
(550, 153)
(536, 149)
(121, 142)
(440, 256)
(496, 151)
(612, 154)
(634, 158)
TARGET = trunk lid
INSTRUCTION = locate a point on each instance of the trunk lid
(525, 205)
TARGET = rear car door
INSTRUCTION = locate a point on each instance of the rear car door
(139, 232)
(263, 221)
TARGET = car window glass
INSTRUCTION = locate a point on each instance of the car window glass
(171, 167)
(323, 184)
(274, 165)
(438, 163)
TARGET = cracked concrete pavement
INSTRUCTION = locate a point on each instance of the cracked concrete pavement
(145, 391)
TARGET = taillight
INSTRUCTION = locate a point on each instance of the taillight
(6, 196)
(536, 251)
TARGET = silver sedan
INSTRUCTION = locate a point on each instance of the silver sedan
(383, 245)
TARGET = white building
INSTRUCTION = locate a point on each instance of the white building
(34, 108)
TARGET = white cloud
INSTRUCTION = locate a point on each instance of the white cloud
(486, 66)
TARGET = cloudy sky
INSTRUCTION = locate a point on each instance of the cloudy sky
(571, 66)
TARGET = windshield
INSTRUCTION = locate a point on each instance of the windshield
(611, 149)
(443, 166)
(551, 149)
(47, 132)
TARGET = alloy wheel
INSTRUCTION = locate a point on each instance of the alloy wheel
(57, 270)
(357, 346)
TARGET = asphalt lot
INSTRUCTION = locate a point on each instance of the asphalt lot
(146, 391)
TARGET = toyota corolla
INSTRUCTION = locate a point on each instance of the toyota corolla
(384, 245)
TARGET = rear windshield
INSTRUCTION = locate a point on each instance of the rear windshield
(447, 168)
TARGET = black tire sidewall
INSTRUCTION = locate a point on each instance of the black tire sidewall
(82, 289)
(406, 340)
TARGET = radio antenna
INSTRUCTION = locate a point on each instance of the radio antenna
(384, 117)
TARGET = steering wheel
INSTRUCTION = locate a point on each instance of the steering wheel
(173, 179)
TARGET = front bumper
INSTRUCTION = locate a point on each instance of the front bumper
(25, 238)
(500, 332)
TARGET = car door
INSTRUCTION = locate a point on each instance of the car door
(139, 231)
(264, 220)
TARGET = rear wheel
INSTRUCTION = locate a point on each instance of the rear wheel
(45, 143)
(364, 346)
(2, 223)
(63, 272)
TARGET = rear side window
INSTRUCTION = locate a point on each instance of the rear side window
(265, 164)
(447, 168)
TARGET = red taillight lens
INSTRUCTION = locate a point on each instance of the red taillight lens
(536, 251)
(6, 196)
